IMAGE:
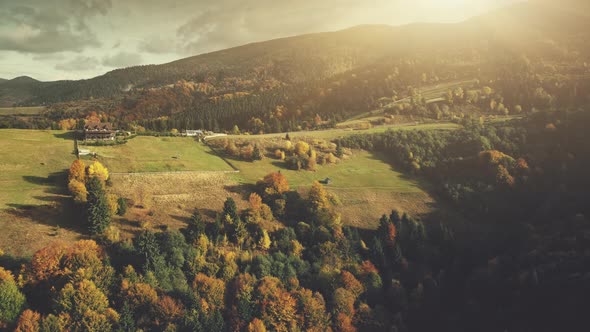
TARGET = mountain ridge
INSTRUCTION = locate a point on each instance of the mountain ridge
(308, 57)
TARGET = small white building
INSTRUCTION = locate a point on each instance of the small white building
(192, 133)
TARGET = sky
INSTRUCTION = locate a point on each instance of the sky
(77, 39)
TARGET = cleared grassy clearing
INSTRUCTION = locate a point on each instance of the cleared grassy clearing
(365, 183)
(32, 165)
(32, 190)
(430, 93)
(159, 154)
(363, 170)
(331, 134)
(21, 110)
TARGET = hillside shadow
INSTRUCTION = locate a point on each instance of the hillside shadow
(419, 181)
(209, 214)
(243, 190)
(68, 135)
(59, 212)
(439, 208)
(56, 209)
(280, 164)
(12, 263)
(181, 218)
(224, 158)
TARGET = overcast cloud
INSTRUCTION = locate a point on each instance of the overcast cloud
(73, 39)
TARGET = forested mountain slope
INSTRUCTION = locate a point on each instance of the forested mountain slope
(322, 77)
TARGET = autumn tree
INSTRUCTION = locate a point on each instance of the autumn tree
(256, 325)
(273, 184)
(29, 321)
(318, 197)
(351, 283)
(312, 307)
(211, 290)
(343, 302)
(87, 306)
(85, 259)
(78, 191)
(277, 306)
(343, 323)
(141, 297)
(168, 309)
(77, 171)
(258, 210)
(301, 148)
(264, 241)
(46, 262)
(98, 170)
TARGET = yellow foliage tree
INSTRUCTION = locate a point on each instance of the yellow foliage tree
(210, 290)
(112, 201)
(256, 325)
(67, 124)
(318, 197)
(98, 170)
(78, 190)
(87, 305)
(77, 171)
(301, 148)
(264, 242)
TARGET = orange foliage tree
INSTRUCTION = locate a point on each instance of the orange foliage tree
(256, 325)
(349, 282)
(77, 171)
(212, 290)
(313, 310)
(168, 309)
(273, 184)
(278, 306)
(29, 321)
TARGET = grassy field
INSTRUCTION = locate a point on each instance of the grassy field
(159, 154)
(31, 163)
(21, 110)
(32, 189)
(331, 134)
(366, 184)
(35, 207)
(364, 170)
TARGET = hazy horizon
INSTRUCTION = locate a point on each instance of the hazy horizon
(84, 40)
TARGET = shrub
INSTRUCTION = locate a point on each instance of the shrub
(12, 300)
(121, 206)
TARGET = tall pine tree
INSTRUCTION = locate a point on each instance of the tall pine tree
(97, 207)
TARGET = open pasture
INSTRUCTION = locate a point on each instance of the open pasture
(158, 154)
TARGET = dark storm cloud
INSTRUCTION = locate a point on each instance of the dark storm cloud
(47, 26)
(79, 63)
(122, 59)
